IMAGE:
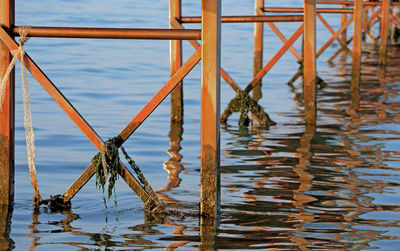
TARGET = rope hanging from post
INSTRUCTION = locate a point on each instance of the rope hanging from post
(29, 134)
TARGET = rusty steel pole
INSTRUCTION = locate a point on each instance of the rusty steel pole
(357, 41)
(343, 20)
(309, 65)
(210, 107)
(384, 31)
(258, 49)
(175, 63)
(7, 127)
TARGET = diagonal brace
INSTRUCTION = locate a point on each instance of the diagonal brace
(73, 114)
(341, 42)
(140, 117)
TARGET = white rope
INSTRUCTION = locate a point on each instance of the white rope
(26, 97)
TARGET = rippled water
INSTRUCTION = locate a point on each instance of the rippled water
(287, 187)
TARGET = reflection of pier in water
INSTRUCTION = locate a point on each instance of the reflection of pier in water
(306, 188)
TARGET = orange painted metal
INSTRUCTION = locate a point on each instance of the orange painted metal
(366, 3)
(341, 42)
(301, 10)
(258, 47)
(196, 45)
(7, 126)
(357, 43)
(280, 35)
(175, 59)
(248, 19)
(394, 19)
(335, 2)
(210, 194)
(111, 33)
(309, 62)
(134, 124)
(374, 15)
(274, 59)
(54, 92)
(160, 95)
(75, 117)
(334, 36)
(343, 19)
(284, 40)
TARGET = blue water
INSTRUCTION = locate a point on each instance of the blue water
(284, 187)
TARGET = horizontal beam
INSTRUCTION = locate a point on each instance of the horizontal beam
(335, 2)
(248, 19)
(301, 10)
(352, 2)
(111, 33)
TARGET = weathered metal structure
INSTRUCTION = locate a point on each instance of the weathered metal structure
(208, 50)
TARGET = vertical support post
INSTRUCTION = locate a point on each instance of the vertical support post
(343, 20)
(365, 19)
(210, 107)
(7, 127)
(384, 31)
(309, 62)
(175, 63)
(258, 50)
(357, 42)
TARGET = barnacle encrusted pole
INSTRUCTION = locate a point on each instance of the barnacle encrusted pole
(7, 127)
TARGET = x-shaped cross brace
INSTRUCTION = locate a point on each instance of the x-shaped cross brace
(243, 94)
(148, 196)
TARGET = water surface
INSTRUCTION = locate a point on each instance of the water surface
(287, 187)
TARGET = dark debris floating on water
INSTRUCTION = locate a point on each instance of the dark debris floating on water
(55, 203)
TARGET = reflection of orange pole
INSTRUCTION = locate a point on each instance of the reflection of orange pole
(7, 127)
(309, 73)
(258, 50)
(357, 39)
(175, 63)
(384, 31)
(210, 107)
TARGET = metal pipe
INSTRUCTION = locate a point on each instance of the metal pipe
(111, 33)
(249, 19)
(352, 2)
(335, 2)
(301, 10)
(7, 113)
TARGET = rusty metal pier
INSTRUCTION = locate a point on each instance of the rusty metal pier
(208, 51)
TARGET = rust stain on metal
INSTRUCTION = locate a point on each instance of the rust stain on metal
(209, 181)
